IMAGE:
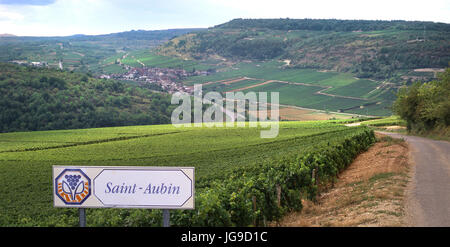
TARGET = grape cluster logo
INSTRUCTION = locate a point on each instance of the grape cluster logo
(73, 187)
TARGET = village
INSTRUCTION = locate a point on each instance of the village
(168, 79)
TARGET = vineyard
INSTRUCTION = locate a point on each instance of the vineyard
(241, 179)
(309, 88)
(149, 59)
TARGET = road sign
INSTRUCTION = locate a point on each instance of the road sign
(124, 187)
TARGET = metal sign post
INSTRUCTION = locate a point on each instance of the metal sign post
(82, 217)
(166, 218)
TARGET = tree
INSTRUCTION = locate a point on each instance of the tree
(425, 106)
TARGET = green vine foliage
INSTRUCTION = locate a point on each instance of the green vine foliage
(261, 193)
(250, 198)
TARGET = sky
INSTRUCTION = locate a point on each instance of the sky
(68, 17)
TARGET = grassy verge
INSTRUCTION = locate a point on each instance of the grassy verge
(370, 192)
(441, 134)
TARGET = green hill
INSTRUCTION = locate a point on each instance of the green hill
(83, 53)
(370, 49)
(45, 99)
(351, 66)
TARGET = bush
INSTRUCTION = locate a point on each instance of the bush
(425, 106)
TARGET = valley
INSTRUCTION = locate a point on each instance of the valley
(106, 100)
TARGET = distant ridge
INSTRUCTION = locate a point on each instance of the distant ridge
(334, 24)
(131, 33)
(379, 50)
(7, 35)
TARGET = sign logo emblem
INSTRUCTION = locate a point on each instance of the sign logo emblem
(73, 187)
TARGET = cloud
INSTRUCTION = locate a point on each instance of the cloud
(65, 17)
(7, 15)
(10, 16)
(27, 2)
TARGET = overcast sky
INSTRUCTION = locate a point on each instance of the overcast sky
(67, 17)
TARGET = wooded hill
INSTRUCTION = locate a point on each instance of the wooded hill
(369, 49)
(47, 99)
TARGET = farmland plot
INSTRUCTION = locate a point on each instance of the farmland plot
(321, 90)
(218, 154)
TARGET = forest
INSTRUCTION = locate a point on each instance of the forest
(333, 24)
(47, 99)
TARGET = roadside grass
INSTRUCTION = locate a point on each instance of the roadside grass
(389, 141)
(439, 134)
(396, 125)
(360, 199)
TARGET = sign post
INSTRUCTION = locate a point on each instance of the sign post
(124, 187)
(166, 218)
(82, 217)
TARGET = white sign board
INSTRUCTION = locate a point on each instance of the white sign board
(123, 187)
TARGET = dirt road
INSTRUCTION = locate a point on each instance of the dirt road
(369, 192)
(429, 192)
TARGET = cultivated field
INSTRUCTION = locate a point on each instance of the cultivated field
(295, 114)
(326, 90)
(309, 88)
(150, 59)
(218, 154)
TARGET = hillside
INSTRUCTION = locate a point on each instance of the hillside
(380, 50)
(307, 88)
(45, 99)
(83, 53)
